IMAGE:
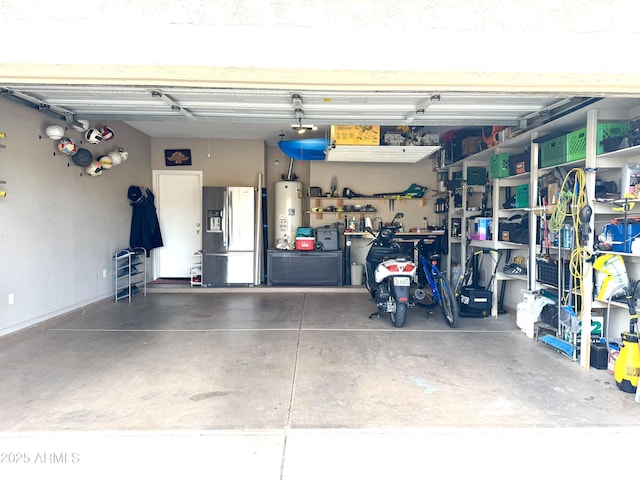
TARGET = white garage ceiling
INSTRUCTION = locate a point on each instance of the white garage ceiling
(271, 115)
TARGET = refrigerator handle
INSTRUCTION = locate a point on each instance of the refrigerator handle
(225, 221)
(230, 218)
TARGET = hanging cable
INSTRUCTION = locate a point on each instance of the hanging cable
(572, 199)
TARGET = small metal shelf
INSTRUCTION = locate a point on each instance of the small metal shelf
(130, 275)
(196, 269)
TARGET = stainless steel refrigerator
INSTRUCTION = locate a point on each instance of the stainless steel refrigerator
(229, 236)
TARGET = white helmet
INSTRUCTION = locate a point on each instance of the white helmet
(93, 135)
(124, 155)
(107, 133)
(54, 132)
(81, 125)
(116, 159)
(94, 169)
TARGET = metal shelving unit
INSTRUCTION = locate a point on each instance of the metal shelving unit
(130, 275)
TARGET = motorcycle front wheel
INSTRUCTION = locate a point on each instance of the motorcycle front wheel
(448, 303)
(400, 315)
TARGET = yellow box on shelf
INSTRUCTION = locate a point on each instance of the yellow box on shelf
(355, 134)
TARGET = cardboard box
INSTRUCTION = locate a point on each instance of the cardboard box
(355, 134)
(552, 194)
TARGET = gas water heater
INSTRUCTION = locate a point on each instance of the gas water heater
(288, 213)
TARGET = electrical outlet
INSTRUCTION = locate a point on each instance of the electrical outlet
(104, 273)
(11, 299)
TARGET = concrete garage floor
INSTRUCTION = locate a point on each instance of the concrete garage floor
(299, 384)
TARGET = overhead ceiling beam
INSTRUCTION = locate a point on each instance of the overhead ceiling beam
(615, 82)
(33, 102)
(421, 107)
(169, 101)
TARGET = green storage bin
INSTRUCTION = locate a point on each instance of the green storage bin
(476, 176)
(499, 165)
(577, 141)
(522, 196)
(553, 152)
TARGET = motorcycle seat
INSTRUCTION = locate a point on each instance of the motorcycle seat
(401, 257)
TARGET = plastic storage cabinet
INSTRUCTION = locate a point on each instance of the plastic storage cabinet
(196, 269)
(130, 273)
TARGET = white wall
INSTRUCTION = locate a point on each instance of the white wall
(222, 162)
(369, 179)
(58, 229)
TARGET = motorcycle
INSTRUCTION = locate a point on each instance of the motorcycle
(389, 274)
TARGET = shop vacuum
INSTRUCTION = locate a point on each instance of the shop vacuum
(627, 368)
(475, 300)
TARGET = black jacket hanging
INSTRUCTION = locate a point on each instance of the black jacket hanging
(145, 228)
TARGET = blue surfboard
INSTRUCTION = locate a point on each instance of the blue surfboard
(305, 148)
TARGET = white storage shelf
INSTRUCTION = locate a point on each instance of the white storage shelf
(130, 276)
(604, 213)
(605, 165)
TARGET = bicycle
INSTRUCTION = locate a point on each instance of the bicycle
(433, 286)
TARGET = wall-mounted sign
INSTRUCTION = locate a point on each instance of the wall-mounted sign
(177, 158)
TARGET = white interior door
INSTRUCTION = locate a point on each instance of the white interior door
(179, 208)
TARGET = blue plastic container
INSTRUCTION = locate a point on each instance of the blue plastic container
(616, 236)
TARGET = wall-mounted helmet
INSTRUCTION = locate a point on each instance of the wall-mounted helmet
(54, 132)
(81, 125)
(105, 161)
(116, 159)
(93, 135)
(124, 155)
(67, 146)
(107, 133)
(82, 157)
(94, 169)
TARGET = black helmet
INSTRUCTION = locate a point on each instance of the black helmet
(82, 157)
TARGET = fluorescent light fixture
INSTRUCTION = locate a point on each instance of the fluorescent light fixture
(302, 128)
